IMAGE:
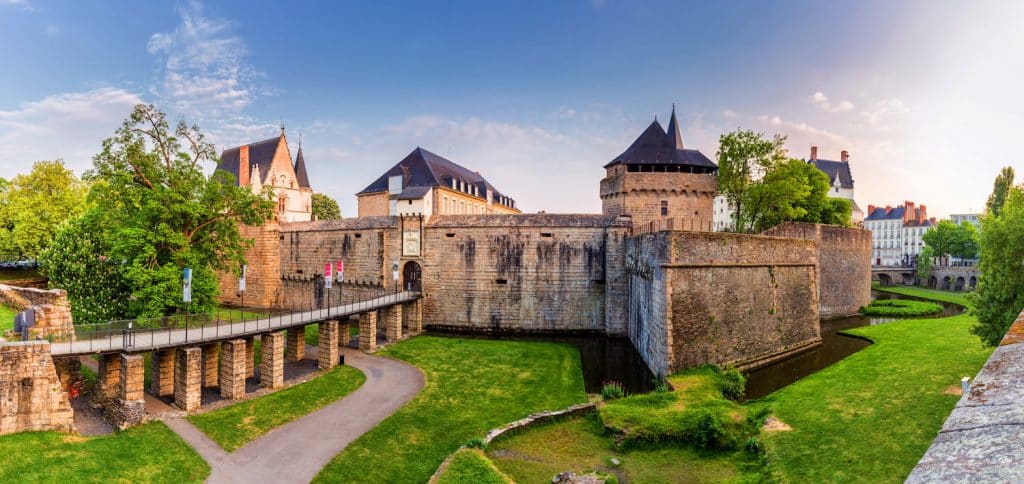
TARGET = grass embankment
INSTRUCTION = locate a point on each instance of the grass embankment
(472, 385)
(871, 416)
(470, 465)
(900, 307)
(234, 426)
(148, 453)
(960, 298)
(6, 319)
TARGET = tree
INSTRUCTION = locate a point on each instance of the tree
(157, 212)
(1000, 188)
(949, 239)
(33, 205)
(795, 191)
(744, 159)
(999, 295)
(325, 208)
(925, 263)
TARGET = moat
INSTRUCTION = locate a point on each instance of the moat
(835, 346)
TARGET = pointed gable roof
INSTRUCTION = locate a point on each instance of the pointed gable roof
(421, 168)
(261, 153)
(834, 170)
(655, 146)
(300, 170)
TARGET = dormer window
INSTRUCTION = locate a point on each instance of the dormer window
(395, 184)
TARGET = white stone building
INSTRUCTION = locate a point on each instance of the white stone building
(896, 233)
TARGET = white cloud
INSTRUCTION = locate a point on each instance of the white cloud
(69, 126)
(791, 127)
(883, 110)
(730, 114)
(52, 29)
(822, 102)
(22, 4)
(203, 72)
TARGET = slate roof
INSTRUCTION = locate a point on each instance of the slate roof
(523, 220)
(655, 146)
(835, 169)
(426, 169)
(300, 170)
(261, 153)
(879, 214)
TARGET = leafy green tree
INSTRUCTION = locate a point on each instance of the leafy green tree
(965, 241)
(33, 206)
(744, 159)
(1000, 188)
(325, 208)
(157, 212)
(949, 239)
(999, 296)
(925, 263)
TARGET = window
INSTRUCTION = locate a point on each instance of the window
(280, 204)
(664, 208)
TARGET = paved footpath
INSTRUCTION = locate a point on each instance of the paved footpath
(295, 452)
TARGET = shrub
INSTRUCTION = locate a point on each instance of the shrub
(661, 385)
(733, 383)
(754, 446)
(900, 307)
(612, 390)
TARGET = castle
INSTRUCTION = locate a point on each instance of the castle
(647, 268)
(268, 163)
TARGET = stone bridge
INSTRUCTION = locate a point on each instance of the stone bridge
(950, 278)
(185, 360)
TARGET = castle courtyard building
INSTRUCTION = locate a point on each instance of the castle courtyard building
(268, 163)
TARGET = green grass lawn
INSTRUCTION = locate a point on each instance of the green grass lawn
(472, 385)
(871, 416)
(924, 292)
(471, 466)
(234, 426)
(6, 319)
(313, 333)
(148, 453)
(901, 307)
(581, 444)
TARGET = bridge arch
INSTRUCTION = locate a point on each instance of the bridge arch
(412, 276)
(947, 282)
(933, 282)
(885, 279)
(972, 283)
(909, 279)
(959, 286)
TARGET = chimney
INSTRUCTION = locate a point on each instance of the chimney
(814, 153)
(908, 211)
(871, 208)
(888, 208)
(243, 165)
(924, 213)
(844, 156)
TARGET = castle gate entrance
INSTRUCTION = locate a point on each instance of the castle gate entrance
(412, 277)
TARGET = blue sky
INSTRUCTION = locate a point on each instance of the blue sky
(537, 96)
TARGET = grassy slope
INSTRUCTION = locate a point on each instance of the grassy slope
(149, 453)
(923, 292)
(581, 445)
(871, 416)
(234, 426)
(472, 386)
(6, 319)
(470, 465)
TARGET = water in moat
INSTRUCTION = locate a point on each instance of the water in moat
(603, 359)
(834, 347)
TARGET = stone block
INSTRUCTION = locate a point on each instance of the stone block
(188, 378)
(250, 357)
(69, 370)
(414, 316)
(232, 368)
(210, 367)
(108, 378)
(393, 322)
(368, 331)
(162, 373)
(272, 361)
(327, 350)
(295, 345)
(31, 396)
(133, 377)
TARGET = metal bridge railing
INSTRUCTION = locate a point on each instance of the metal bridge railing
(182, 329)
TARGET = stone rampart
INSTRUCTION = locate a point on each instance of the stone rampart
(720, 298)
(53, 311)
(844, 264)
(31, 394)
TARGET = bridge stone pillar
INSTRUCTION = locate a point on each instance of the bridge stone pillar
(393, 322)
(250, 357)
(130, 407)
(414, 316)
(327, 350)
(368, 331)
(69, 370)
(188, 378)
(108, 377)
(210, 365)
(344, 333)
(162, 375)
(295, 344)
(232, 368)
(272, 361)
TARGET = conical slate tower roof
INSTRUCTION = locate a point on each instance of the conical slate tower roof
(655, 146)
(300, 170)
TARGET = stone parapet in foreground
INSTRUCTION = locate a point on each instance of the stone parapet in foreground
(981, 440)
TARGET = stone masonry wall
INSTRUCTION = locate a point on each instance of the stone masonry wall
(53, 311)
(844, 256)
(263, 278)
(31, 395)
(719, 298)
(689, 198)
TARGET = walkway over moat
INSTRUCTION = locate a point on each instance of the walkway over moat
(126, 337)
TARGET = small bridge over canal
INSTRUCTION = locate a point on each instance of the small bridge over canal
(946, 277)
(195, 352)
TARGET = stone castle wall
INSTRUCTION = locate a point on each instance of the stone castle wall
(689, 199)
(31, 394)
(844, 256)
(53, 311)
(720, 298)
(263, 281)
